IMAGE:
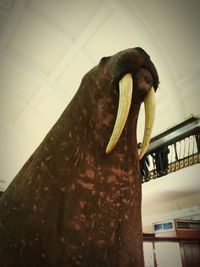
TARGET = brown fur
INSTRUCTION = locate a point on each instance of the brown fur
(72, 204)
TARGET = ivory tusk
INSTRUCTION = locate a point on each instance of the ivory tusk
(125, 96)
(149, 104)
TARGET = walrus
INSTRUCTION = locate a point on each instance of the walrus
(77, 200)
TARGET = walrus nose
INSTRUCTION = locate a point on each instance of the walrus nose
(125, 98)
(143, 81)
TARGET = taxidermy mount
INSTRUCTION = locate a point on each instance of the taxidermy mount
(77, 200)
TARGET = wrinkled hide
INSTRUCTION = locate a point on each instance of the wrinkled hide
(72, 204)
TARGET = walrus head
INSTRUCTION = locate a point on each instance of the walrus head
(131, 75)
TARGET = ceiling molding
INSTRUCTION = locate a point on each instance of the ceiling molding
(189, 85)
(23, 139)
(45, 81)
(12, 23)
(78, 46)
(27, 110)
(33, 13)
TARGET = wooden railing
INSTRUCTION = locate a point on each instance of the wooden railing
(172, 150)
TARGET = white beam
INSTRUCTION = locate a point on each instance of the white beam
(12, 23)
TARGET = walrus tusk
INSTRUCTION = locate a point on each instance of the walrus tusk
(125, 96)
(149, 104)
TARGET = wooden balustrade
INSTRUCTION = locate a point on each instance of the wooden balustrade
(172, 150)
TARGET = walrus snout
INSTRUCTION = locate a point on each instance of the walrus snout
(133, 60)
(143, 81)
(136, 76)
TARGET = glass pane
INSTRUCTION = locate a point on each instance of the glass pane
(168, 226)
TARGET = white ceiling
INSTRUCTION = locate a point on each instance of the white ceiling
(46, 46)
(172, 196)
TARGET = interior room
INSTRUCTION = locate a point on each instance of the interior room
(46, 48)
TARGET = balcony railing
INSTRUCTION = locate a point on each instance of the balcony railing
(172, 150)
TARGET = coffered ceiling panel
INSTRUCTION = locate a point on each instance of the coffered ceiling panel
(10, 108)
(112, 36)
(50, 107)
(17, 81)
(71, 77)
(70, 16)
(176, 26)
(35, 127)
(38, 42)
